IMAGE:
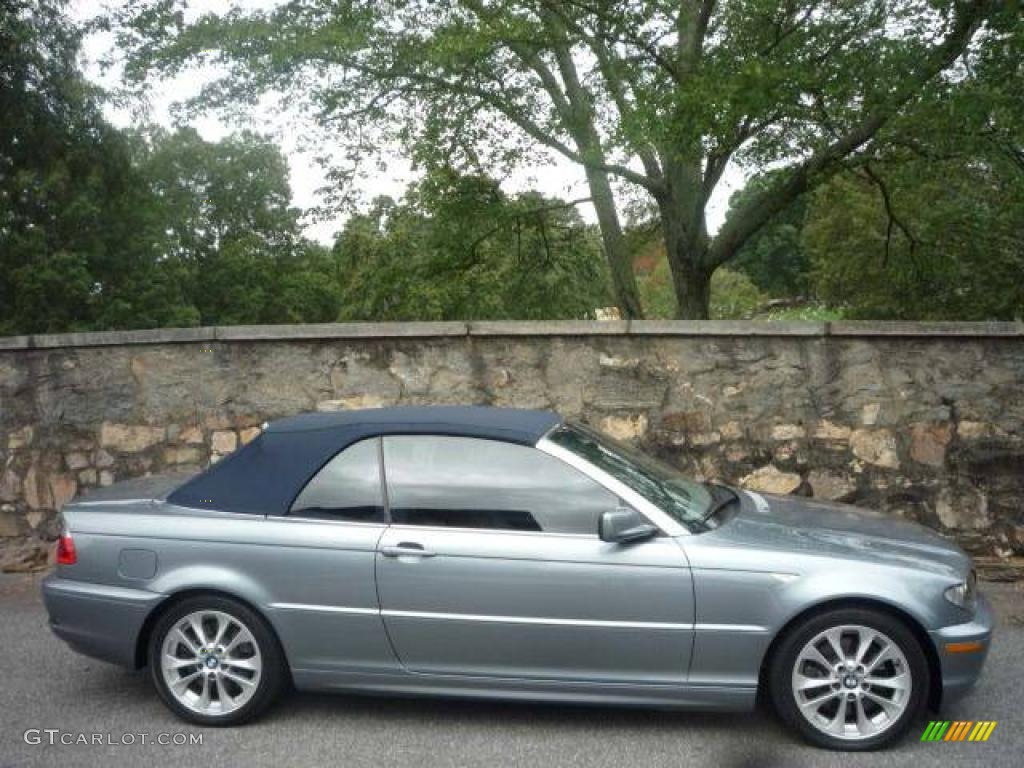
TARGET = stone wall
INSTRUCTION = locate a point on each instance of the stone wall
(924, 421)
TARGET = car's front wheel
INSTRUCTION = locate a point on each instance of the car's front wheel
(850, 679)
(214, 661)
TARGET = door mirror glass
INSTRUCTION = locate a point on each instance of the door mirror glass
(621, 526)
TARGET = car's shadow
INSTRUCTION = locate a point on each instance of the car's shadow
(398, 709)
(754, 738)
(512, 713)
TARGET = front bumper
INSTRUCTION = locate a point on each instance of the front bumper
(98, 620)
(961, 670)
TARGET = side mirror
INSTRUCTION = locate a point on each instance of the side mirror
(622, 526)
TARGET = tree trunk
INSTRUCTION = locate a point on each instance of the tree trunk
(692, 284)
(623, 279)
(686, 241)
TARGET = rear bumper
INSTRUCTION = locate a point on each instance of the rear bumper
(98, 620)
(961, 670)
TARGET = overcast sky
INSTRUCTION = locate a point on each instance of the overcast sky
(559, 178)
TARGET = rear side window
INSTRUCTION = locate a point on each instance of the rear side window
(347, 488)
(470, 483)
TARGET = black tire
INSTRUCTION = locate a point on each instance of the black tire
(273, 674)
(781, 670)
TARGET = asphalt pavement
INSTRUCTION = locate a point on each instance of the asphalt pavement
(45, 686)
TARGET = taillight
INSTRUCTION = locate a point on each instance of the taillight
(66, 550)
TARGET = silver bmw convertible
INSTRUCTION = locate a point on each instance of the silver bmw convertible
(486, 552)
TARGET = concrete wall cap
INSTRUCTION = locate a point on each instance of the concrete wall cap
(537, 328)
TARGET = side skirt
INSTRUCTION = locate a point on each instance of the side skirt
(732, 699)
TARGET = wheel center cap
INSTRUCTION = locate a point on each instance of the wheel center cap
(211, 662)
(850, 681)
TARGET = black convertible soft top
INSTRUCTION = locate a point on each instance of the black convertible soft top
(265, 476)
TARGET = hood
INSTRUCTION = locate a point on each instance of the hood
(810, 526)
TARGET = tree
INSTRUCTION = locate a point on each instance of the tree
(773, 258)
(457, 248)
(943, 241)
(79, 231)
(655, 94)
(933, 226)
(101, 228)
(229, 223)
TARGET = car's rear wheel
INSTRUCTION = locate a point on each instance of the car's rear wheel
(850, 679)
(215, 661)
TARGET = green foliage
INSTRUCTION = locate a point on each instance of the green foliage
(955, 249)
(230, 227)
(929, 225)
(216, 192)
(655, 94)
(733, 295)
(307, 287)
(811, 312)
(103, 229)
(75, 216)
(933, 227)
(918, 210)
(458, 248)
(773, 258)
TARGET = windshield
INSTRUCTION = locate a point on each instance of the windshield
(686, 500)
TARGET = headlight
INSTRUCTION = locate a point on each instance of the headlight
(963, 595)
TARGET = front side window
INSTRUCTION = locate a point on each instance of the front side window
(686, 500)
(347, 488)
(471, 483)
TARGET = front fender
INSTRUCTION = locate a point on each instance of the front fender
(741, 612)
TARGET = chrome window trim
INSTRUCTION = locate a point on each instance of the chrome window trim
(493, 531)
(657, 516)
(324, 521)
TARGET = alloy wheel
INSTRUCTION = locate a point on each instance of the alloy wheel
(211, 662)
(852, 682)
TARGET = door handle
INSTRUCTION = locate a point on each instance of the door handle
(406, 549)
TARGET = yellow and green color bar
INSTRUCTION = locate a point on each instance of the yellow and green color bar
(959, 730)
